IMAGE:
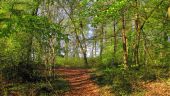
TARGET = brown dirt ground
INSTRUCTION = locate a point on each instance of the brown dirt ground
(157, 89)
(80, 83)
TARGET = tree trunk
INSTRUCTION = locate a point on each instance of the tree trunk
(70, 15)
(124, 40)
(138, 31)
(84, 43)
(115, 41)
(30, 42)
(66, 49)
(92, 50)
(82, 49)
(101, 41)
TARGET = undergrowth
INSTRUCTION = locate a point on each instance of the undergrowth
(30, 80)
(127, 81)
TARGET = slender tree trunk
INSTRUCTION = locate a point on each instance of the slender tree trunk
(124, 40)
(53, 55)
(95, 47)
(138, 31)
(115, 41)
(84, 43)
(77, 49)
(66, 48)
(115, 37)
(145, 54)
(70, 15)
(101, 41)
(82, 49)
(92, 50)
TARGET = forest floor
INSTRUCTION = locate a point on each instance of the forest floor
(81, 85)
(79, 81)
(157, 88)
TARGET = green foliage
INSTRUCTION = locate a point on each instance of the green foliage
(32, 31)
(10, 13)
(123, 81)
(120, 80)
(109, 57)
(101, 11)
(69, 62)
(22, 72)
(41, 25)
(78, 62)
(55, 87)
(95, 62)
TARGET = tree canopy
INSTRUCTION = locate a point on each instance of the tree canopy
(121, 38)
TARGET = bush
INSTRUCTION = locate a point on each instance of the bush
(95, 62)
(22, 72)
(147, 75)
(153, 72)
(121, 80)
(51, 88)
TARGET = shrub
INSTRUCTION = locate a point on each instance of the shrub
(121, 80)
(95, 62)
(22, 72)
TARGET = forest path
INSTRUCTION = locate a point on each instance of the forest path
(79, 81)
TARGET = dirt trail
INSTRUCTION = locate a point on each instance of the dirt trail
(80, 83)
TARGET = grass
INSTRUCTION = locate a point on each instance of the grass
(77, 62)
(69, 62)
